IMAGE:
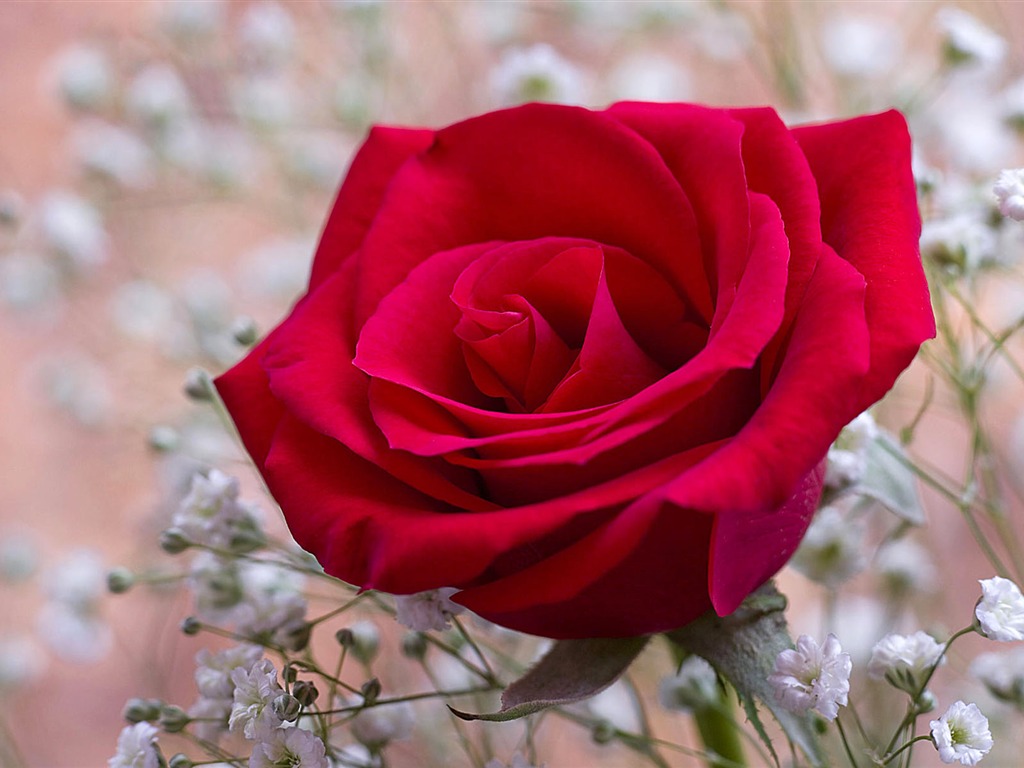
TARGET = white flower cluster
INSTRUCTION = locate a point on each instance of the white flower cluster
(832, 549)
(905, 660)
(1009, 192)
(137, 748)
(813, 677)
(847, 458)
(1002, 674)
(71, 622)
(212, 514)
(217, 688)
(1000, 612)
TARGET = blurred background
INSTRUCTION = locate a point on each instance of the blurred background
(164, 171)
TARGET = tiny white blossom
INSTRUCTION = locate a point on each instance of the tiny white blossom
(1009, 191)
(255, 690)
(289, 748)
(141, 309)
(905, 566)
(266, 102)
(136, 748)
(377, 726)
(537, 73)
(428, 610)
(813, 677)
(189, 21)
(961, 735)
(21, 662)
(75, 636)
(158, 97)
(73, 229)
(617, 706)
(964, 240)
(29, 282)
(1002, 674)
(832, 550)
(267, 33)
(967, 40)
(847, 457)
(1000, 611)
(211, 513)
(693, 687)
(213, 670)
(904, 660)
(211, 718)
(271, 599)
(113, 153)
(84, 77)
(860, 46)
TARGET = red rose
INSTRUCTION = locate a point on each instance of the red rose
(585, 366)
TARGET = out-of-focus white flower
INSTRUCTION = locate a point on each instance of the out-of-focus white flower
(141, 309)
(905, 566)
(537, 73)
(73, 635)
(428, 610)
(723, 35)
(79, 580)
(376, 726)
(289, 748)
(210, 718)
(213, 670)
(21, 662)
(966, 40)
(216, 584)
(137, 748)
(904, 660)
(961, 735)
(847, 458)
(277, 269)
(272, 600)
(1002, 674)
(860, 46)
(158, 97)
(693, 687)
(212, 514)
(1009, 192)
(1000, 611)
(255, 690)
(113, 153)
(517, 761)
(19, 556)
(963, 240)
(650, 77)
(267, 34)
(78, 386)
(266, 103)
(315, 158)
(72, 229)
(28, 282)
(189, 21)
(84, 77)
(365, 640)
(813, 677)
(832, 550)
(616, 705)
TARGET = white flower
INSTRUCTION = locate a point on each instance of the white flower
(905, 566)
(1002, 674)
(860, 46)
(289, 748)
(650, 77)
(211, 514)
(211, 717)
(265, 102)
(617, 706)
(136, 748)
(964, 240)
(141, 309)
(21, 662)
(537, 73)
(73, 635)
(19, 554)
(1001, 610)
(961, 735)
(427, 610)
(192, 20)
(271, 599)
(28, 282)
(693, 687)
(84, 77)
(904, 660)
(255, 690)
(267, 33)
(113, 153)
(213, 670)
(1009, 191)
(157, 96)
(73, 229)
(967, 40)
(847, 457)
(377, 726)
(813, 677)
(832, 550)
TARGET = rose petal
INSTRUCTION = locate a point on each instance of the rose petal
(870, 217)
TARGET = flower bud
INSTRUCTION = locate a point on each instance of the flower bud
(371, 690)
(198, 385)
(244, 331)
(163, 438)
(286, 707)
(190, 625)
(305, 692)
(414, 645)
(926, 702)
(603, 732)
(180, 760)
(289, 674)
(173, 541)
(120, 580)
(139, 710)
(365, 641)
(246, 537)
(173, 719)
(294, 635)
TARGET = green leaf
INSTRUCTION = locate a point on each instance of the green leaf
(742, 647)
(571, 671)
(889, 479)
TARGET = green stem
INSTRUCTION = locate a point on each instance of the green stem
(718, 733)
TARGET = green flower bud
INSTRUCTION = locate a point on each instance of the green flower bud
(120, 580)
(140, 710)
(286, 707)
(190, 625)
(180, 760)
(305, 692)
(173, 541)
(414, 645)
(173, 719)
(371, 690)
(199, 386)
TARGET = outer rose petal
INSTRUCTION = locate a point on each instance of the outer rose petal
(869, 216)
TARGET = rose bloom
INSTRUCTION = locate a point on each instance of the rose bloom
(584, 366)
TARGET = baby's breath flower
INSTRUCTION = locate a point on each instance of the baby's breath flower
(211, 514)
(905, 566)
(966, 40)
(376, 726)
(537, 73)
(84, 78)
(1002, 674)
(904, 660)
(255, 691)
(847, 458)
(693, 687)
(267, 34)
(158, 97)
(832, 550)
(137, 748)
(1000, 611)
(961, 735)
(813, 677)
(210, 718)
(73, 230)
(1009, 192)
(213, 670)
(289, 748)
(427, 610)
